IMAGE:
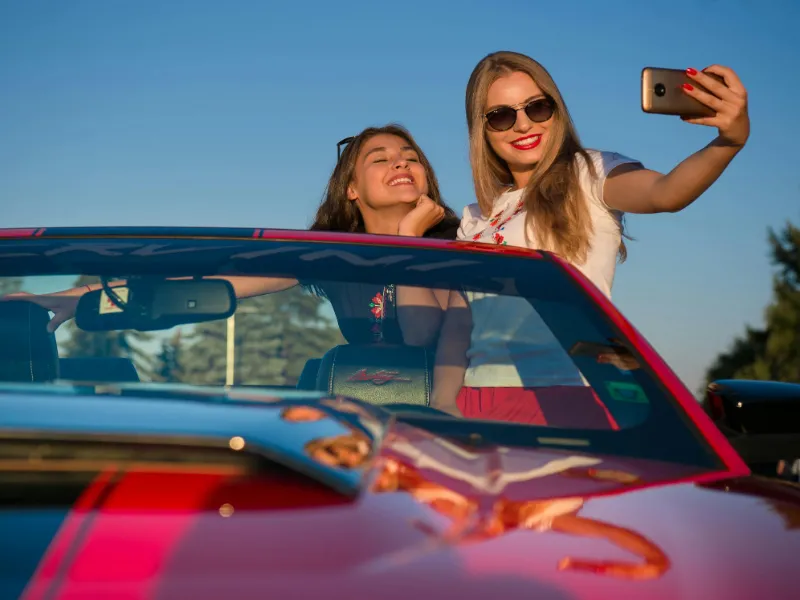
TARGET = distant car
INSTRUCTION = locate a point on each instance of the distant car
(174, 442)
(761, 419)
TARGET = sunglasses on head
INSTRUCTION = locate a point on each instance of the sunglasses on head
(503, 118)
(343, 142)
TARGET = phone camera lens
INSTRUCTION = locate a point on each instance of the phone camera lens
(660, 89)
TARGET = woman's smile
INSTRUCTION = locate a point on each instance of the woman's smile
(528, 142)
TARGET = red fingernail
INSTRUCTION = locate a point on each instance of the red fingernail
(691, 71)
(688, 87)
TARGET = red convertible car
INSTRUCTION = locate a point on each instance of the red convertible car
(230, 413)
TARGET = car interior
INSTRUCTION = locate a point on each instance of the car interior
(365, 372)
(372, 373)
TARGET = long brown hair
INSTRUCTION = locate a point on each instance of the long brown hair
(556, 208)
(338, 213)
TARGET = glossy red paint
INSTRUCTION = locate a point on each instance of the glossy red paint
(50, 568)
(20, 233)
(394, 240)
(427, 533)
(664, 373)
(289, 235)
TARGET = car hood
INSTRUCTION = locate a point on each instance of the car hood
(407, 514)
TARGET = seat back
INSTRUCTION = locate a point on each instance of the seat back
(28, 351)
(378, 374)
(308, 378)
(99, 369)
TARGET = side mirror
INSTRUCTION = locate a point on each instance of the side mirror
(154, 304)
(761, 419)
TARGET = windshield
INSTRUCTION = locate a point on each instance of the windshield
(506, 346)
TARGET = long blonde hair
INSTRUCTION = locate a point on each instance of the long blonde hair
(556, 207)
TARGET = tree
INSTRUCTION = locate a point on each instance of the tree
(9, 285)
(275, 335)
(168, 363)
(106, 343)
(742, 354)
(772, 353)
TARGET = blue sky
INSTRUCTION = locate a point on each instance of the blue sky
(210, 113)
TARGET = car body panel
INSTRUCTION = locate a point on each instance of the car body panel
(432, 517)
(209, 537)
(421, 515)
(238, 233)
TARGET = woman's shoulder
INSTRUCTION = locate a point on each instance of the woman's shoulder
(471, 212)
(592, 177)
(602, 161)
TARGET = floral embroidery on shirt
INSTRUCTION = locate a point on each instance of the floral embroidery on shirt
(498, 223)
(377, 307)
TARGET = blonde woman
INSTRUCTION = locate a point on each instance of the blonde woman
(537, 187)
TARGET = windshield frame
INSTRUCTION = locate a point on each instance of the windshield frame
(161, 253)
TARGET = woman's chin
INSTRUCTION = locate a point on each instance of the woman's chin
(405, 196)
(523, 160)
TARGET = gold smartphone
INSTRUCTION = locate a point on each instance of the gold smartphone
(662, 93)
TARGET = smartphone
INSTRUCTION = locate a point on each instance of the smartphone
(662, 93)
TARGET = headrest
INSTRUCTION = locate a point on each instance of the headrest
(308, 378)
(378, 374)
(29, 352)
(99, 369)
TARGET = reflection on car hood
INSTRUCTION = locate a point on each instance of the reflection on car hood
(283, 424)
(247, 419)
(377, 509)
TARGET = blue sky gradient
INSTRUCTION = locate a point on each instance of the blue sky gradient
(210, 113)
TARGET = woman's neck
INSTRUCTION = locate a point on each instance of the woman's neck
(521, 177)
(386, 221)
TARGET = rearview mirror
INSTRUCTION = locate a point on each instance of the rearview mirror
(148, 305)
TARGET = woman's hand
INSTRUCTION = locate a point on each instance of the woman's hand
(728, 100)
(424, 215)
(61, 304)
(642, 191)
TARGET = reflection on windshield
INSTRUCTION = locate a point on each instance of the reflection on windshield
(383, 325)
(520, 362)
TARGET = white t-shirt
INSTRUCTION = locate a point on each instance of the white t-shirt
(511, 346)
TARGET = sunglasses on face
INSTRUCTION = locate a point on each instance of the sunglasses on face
(503, 118)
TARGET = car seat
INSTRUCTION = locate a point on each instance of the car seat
(378, 374)
(308, 378)
(99, 369)
(28, 352)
